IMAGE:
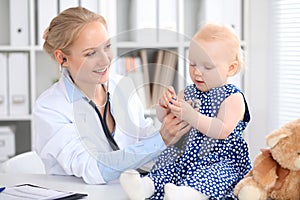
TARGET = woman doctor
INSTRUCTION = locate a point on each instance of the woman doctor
(91, 124)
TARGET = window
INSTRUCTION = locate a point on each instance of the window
(286, 60)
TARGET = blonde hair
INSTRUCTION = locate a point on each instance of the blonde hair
(64, 29)
(221, 32)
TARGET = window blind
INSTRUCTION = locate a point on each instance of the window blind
(286, 60)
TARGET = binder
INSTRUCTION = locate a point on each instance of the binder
(144, 20)
(3, 85)
(168, 70)
(47, 10)
(91, 5)
(144, 60)
(157, 81)
(65, 4)
(4, 21)
(167, 22)
(169, 65)
(18, 81)
(19, 22)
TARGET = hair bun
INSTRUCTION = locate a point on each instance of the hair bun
(45, 34)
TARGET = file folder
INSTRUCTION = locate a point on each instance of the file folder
(168, 71)
(47, 10)
(158, 76)
(19, 22)
(18, 79)
(145, 67)
(3, 85)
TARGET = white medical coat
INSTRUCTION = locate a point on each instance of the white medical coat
(70, 140)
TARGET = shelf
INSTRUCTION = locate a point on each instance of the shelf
(38, 48)
(16, 118)
(147, 45)
(14, 48)
(183, 18)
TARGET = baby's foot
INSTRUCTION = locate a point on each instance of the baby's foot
(136, 188)
(173, 192)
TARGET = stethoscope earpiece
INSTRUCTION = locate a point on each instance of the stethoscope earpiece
(61, 64)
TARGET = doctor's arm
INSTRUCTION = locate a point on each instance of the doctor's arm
(65, 152)
(112, 164)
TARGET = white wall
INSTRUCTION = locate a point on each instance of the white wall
(258, 77)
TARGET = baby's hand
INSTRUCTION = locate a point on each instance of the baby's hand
(168, 95)
(181, 109)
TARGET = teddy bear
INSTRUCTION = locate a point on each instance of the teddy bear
(276, 170)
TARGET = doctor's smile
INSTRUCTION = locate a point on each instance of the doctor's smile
(101, 71)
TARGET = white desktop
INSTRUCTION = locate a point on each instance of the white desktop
(110, 191)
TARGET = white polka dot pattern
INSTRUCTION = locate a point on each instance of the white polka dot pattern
(208, 165)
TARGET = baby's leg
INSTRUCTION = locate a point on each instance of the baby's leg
(136, 188)
(173, 192)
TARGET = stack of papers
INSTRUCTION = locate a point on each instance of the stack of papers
(28, 191)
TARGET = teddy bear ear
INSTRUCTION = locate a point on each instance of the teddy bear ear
(285, 131)
(275, 137)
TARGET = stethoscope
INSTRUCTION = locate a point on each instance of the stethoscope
(107, 133)
(105, 128)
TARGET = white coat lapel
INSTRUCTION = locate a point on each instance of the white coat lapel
(89, 128)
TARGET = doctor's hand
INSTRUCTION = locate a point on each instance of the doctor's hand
(173, 129)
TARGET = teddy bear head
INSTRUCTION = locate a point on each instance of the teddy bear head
(284, 145)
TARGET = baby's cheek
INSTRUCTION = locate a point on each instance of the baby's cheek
(297, 162)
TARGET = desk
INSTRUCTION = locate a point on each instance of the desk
(111, 191)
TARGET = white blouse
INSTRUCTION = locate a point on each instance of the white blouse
(70, 140)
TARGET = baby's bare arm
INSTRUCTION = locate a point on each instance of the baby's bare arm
(230, 113)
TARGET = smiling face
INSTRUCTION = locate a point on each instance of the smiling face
(90, 56)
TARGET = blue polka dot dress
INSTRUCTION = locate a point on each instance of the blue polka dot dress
(211, 166)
